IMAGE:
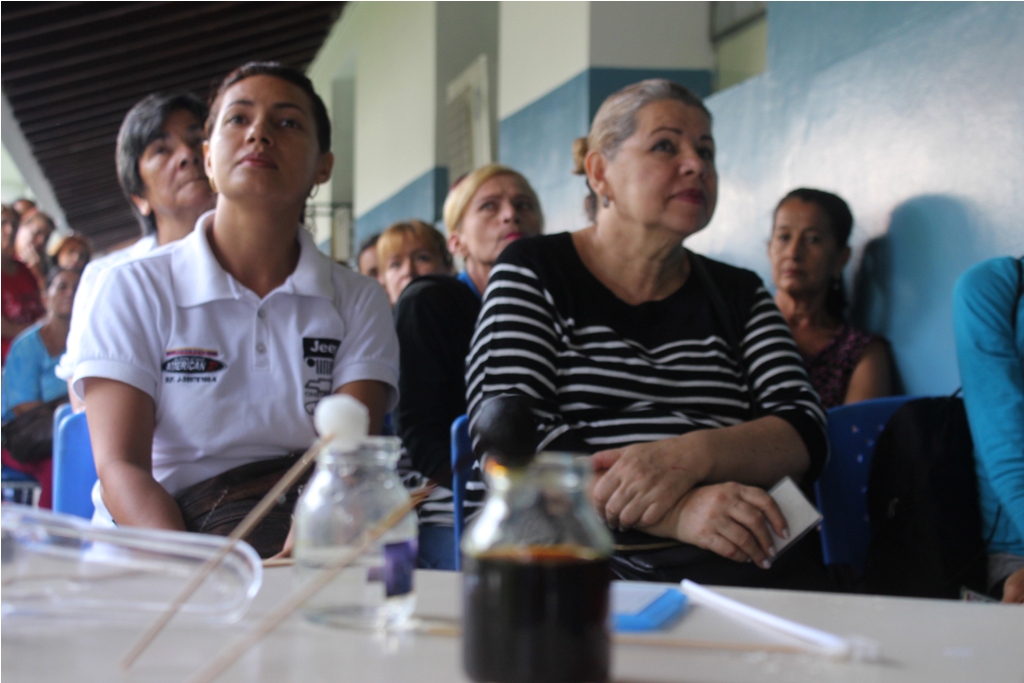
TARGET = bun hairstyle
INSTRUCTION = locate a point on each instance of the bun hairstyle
(463, 190)
(615, 122)
(285, 73)
(840, 221)
(391, 240)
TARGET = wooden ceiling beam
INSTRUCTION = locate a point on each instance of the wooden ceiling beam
(103, 37)
(150, 44)
(116, 12)
(234, 56)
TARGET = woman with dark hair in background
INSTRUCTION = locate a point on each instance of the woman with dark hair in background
(29, 380)
(808, 250)
(201, 378)
(30, 241)
(22, 303)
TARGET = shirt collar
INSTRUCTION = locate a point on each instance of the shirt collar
(468, 281)
(199, 277)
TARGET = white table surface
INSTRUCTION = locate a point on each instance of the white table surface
(922, 640)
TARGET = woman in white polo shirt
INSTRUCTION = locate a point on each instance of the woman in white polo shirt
(202, 371)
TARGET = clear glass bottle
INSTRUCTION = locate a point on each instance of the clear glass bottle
(349, 492)
(536, 577)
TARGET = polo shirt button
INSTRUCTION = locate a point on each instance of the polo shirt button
(261, 348)
(261, 314)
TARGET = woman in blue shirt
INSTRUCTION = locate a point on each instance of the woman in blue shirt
(28, 378)
(988, 318)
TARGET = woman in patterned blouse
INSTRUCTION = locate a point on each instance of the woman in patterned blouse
(808, 250)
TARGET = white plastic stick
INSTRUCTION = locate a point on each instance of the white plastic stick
(820, 642)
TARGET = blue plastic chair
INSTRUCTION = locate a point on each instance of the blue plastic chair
(842, 488)
(74, 470)
(462, 463)
(63, 410)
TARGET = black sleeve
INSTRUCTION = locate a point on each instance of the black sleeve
(434, 319)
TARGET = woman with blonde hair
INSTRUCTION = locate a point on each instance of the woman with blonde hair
(676, 372)
(485, 212)
(409, 250)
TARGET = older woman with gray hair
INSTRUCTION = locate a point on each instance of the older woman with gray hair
(676, 372)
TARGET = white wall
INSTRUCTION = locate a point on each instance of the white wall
(657, 35)
(395, 115)
(465, 30)
(540, 46)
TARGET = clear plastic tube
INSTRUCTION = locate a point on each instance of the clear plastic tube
(60, 565)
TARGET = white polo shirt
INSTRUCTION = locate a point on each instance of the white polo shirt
(85, 295)
(235, 378)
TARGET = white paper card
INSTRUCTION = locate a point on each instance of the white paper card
(629, 597)
(800, 515)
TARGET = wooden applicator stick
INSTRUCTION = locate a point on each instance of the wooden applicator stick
(307, 590)
(241, 531)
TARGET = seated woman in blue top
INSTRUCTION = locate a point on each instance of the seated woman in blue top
(29, 379)
(203, 373)
(988, 318)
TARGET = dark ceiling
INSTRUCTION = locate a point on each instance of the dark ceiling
(71, 70)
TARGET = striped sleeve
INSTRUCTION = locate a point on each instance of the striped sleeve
(513, 350)
(778, 380)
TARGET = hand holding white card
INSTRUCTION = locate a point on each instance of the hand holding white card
(800, 515)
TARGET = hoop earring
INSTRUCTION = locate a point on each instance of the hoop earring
(605, 202)
(312, 193)
(213, 185)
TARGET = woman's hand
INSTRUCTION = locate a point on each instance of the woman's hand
(639, 484)
(728, 519)
(1013, 589)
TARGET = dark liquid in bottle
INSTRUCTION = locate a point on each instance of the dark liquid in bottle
(536, 615)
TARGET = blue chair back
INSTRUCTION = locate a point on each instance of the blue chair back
(462, 463)
(842, 488)
(74, 471)
(63, 410)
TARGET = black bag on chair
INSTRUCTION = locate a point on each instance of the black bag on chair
(926, 538)
(29, 437)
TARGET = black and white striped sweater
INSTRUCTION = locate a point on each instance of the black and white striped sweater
(605, 374)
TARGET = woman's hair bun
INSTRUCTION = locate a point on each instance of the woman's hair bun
(580, 146)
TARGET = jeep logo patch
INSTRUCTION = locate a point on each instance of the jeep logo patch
(191, 365)
(319, 354)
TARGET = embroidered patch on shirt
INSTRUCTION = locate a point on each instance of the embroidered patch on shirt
(191, 365)
(319, 354)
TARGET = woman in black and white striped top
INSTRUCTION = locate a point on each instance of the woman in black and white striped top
(622, 340)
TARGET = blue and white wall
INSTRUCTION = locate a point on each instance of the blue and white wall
(386, 66)
(557, 63)
(914, 113)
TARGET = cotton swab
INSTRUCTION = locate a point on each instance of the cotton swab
(817, 641)
(241, 531)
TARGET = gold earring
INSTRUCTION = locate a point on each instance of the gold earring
(213, 185)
